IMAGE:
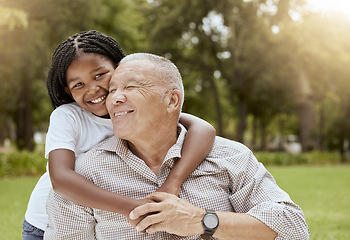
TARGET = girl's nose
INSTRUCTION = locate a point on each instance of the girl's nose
(93, 88)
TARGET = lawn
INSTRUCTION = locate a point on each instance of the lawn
(323, 193)
(14, 196)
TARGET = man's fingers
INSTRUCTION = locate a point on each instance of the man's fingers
(149, 221)
(158, 196)
(143, 210)
(155, 228)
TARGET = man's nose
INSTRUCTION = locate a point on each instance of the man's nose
(117, 97)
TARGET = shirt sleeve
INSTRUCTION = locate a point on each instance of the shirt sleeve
(68, 220)
(258, 195)
(62, 132)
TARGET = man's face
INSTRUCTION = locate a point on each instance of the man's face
(88, 79)
(135, 101)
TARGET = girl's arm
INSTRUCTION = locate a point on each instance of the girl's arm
(76, 188)
(198, 142)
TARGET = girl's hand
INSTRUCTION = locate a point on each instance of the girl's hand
(169, 188)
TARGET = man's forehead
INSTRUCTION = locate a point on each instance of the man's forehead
(131, 70)
(135, 64)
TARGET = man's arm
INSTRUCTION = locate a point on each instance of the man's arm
(257, 194)
(254, 195)
(178, 216)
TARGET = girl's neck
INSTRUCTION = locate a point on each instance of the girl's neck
(104, 116)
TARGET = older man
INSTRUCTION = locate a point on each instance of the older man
(229, 196)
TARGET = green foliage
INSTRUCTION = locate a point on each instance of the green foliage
(13, 18)
(20, 163)
(285, 159)
(234, 67)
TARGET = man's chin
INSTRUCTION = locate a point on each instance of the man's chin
(121, 134)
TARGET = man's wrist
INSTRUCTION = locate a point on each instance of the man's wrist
(197, 219)
(210, 223)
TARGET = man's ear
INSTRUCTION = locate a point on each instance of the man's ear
(174, 100)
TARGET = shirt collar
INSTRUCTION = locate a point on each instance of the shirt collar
(120, 147)
(175, 150)
(116, 145)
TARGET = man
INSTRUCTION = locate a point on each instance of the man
(241, 197)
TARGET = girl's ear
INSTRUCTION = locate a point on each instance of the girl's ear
(174, 100)
(68, 91)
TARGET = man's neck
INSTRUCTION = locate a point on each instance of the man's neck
(152, 150)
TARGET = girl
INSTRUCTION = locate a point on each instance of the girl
(80, 120)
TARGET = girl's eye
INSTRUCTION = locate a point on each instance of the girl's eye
(112, 90)
(78, 85)
(99, 75)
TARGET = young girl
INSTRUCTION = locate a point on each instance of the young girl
(81, 121)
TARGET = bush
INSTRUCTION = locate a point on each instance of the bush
(25, 163)
(283, 158)
(21, 163)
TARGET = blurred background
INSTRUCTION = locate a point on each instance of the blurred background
(268, 73)
(272, 74)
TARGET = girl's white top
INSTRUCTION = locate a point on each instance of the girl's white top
(72, 128)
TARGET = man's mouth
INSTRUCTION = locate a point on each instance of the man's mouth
(120, 114)
(98, 100)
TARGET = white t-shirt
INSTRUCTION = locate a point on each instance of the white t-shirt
(72, 128)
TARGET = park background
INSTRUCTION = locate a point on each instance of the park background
(272, 74)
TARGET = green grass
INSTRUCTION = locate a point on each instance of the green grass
(14, 196)
(323, 192)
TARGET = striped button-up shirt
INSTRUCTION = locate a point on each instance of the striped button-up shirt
(229, 179)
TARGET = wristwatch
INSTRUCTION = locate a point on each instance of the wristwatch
(210, 222)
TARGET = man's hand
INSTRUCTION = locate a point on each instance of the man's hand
(137, 203)
(169, 213)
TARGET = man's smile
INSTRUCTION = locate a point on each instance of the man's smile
(122, 113)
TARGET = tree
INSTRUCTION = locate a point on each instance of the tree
(229, 38)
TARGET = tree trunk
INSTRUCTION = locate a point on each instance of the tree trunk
(306, 113)
(24, 121)
(262, 134)
(214, 89)
(321, 129)
(242, 114)
(254, 132)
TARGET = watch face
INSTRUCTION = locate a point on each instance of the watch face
(210, 221)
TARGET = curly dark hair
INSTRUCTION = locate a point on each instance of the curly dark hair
(88, 42)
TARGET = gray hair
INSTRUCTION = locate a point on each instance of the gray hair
(167, 70)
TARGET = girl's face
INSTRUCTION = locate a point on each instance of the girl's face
(88, 79)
